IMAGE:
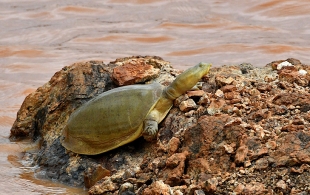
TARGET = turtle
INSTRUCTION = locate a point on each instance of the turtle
(121, 115)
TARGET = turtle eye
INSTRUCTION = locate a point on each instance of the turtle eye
(202, 64)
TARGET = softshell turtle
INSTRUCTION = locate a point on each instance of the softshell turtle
(123, 114)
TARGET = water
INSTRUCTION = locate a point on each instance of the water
(38, 38)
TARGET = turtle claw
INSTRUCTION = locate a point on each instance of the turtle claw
(150, 127)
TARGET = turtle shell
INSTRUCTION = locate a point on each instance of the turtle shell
(111, 119)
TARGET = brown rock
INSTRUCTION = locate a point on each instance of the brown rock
(232, 95)
(255, 188)
(262, 87)
(293, 127)
(187, 105)
(173, 145)
(293, 149)
(281, 184)
(157, 188)
(229, 88)
(204, 100)
(175, 166)
(106, 186)
(301, 169)
(216, 106)
(290, 74)
(261, 163)
(295, 99)
(195, 93)
(241, 154)
(271, 144)
(92, 175)
(211, 185)
(219, 93)
(126, 188)
(174, 160)
(239, 189)
(222, 80)
(180, 99)
(42, 111)
(134, 72)
(199, 165)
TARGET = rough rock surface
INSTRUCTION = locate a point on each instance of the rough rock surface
(246, 131)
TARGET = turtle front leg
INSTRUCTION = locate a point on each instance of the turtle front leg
(150, 127)
(150, 124)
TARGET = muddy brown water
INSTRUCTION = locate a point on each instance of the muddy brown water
(38, 38)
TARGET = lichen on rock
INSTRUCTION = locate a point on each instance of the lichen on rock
(245, 131)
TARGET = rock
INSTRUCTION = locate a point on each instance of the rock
(199, 192)
(175, 167)
(219, 93)
(195, 93)
(291, 75)
(222, 80)
(261, 163)
(216, 106)
(158, 188)
(239, 189)
(106, 186)
(94, 174)
(126, 188)
(246, 68)
(173, 145)
(67, 90)
(136, 71)
(229, 88)
(187, 105)
(255, 188)
(281, 184)
(241, 154)
(211, 184)
(244, 132)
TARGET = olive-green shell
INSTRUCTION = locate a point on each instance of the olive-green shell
(111, 119)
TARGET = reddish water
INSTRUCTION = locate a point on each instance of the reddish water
(37, 38)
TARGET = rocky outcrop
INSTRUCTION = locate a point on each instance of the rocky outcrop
(245, 131)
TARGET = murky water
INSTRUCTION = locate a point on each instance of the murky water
(38, 38)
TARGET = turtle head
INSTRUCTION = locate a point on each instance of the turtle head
(187, 80)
